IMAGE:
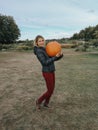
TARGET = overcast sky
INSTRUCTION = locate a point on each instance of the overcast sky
(51, 18)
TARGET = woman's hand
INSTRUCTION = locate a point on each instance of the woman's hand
(59, 54)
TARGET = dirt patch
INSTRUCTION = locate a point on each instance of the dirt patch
(74, 104)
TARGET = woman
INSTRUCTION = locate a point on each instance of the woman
(48, 69)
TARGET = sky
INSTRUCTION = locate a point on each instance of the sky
(53, 19)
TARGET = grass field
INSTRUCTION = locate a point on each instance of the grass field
(74, 104)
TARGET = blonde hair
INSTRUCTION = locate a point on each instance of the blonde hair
(36, 39)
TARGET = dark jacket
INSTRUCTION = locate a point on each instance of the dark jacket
(46, 61)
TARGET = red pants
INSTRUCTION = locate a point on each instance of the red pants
(50, 83)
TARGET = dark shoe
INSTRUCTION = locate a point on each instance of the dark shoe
(45, 105)
(37, 105)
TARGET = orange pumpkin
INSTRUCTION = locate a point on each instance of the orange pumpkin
(52, 48)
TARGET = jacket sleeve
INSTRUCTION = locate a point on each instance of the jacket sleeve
(45, 61)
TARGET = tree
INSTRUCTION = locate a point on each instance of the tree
(9, 31)
(95, 33)
(81, 35)
(75, 36)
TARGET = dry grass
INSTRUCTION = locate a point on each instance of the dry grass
(74, 102)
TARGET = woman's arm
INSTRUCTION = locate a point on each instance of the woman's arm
(44, 60)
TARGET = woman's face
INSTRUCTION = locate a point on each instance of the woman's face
(40, 42)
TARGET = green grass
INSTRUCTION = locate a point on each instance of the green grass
(74, 102)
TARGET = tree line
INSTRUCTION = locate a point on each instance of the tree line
(86, 34)
(10, 32)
